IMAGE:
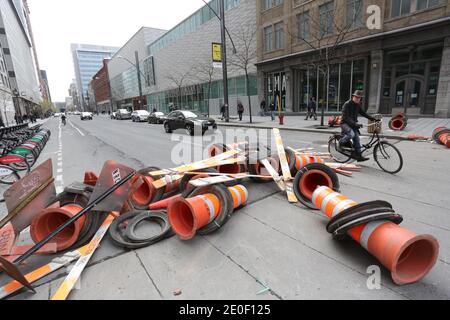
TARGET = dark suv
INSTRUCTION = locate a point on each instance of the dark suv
(191, 121)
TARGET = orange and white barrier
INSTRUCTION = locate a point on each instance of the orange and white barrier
(239, 194)
(407, 255)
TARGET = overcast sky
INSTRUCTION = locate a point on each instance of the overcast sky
(58, 23)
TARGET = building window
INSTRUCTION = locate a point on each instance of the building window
(267, 4)
(425, 4)
(303, 26)
(354, 14)
(326, 18)
(279, 36)
(400, 8)
(268, 35)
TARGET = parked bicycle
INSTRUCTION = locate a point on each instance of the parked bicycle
(20, 147)
(386, 155)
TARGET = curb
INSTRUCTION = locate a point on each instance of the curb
(330, 132)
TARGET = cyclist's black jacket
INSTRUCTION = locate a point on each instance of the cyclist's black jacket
(350, 113)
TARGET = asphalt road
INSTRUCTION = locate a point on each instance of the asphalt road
(270, 244)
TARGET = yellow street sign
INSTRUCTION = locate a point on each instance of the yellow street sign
(217, 52)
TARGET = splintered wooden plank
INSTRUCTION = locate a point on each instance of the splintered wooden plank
(278, 180)
(208, 163)
(284, 166)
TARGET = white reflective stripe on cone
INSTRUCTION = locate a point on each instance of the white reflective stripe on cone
(246, 194)
(238, 195)
(327, 199)
(317, 192)
(367, 232)
(211, 208)
(341, 205)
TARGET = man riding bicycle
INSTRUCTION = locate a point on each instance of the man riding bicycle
(63, 119)
(350, 127)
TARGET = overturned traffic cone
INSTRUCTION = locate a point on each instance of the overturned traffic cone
(145, 194)
(186, 216)
(163, 204)
(309, 178)
(442, 136)
(374, 226)
(239, 194)
(50, 219)
(398, 122)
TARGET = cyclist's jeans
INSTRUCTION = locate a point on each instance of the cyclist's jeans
(352, 134)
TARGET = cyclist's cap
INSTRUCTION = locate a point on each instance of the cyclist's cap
(359, 94)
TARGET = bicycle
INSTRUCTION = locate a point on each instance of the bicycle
(386, 155)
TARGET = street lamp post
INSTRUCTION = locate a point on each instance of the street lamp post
(139, 73)
(224, 61)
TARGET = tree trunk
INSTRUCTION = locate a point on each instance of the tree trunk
(325, 82)
(248, 95)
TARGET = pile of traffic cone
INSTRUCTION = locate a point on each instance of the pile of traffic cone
(398, 122)
(374, 226)
(334, 121)
(442, 136)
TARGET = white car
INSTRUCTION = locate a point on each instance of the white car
(140, 115)
(86, 116)
(123, 114)
(57, 115)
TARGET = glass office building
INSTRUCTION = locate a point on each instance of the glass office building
(88, 60)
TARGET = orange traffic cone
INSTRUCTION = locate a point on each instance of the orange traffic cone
(163, 204)
(240, 196)
(50, 219)
(186, 216)
(144, 194)
(407, 255)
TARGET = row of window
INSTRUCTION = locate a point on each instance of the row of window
(192, 23)
(267, 4)
(404, 7)
(273, 35)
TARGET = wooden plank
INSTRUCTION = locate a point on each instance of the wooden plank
(285, 166)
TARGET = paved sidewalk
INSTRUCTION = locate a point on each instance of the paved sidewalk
(422, 126)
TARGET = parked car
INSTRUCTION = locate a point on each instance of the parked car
(123, 114)
(57, 115)
(157, 118)
(191, 121)
(140, 115)
(86, 116)
(77, 113)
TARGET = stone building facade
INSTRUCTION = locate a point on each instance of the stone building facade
(397, 51)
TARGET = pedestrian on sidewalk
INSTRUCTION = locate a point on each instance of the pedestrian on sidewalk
(263, 108)
(222, 111)
(240, 110)
(312, 107)
(272, 111)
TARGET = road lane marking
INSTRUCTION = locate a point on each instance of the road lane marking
(79, 131)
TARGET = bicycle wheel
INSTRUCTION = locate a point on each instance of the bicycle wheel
(333, 150)
(388, 157)
(8, 175)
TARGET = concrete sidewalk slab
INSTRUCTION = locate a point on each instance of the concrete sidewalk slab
(199, 270)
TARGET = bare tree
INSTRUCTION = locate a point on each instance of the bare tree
(245, 55)
(179, 79)
(324, 33)
(204, 71)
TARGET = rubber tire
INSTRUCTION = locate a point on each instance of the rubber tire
(313, 166)
(167, 128)
(375, 155)
(116, 230)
